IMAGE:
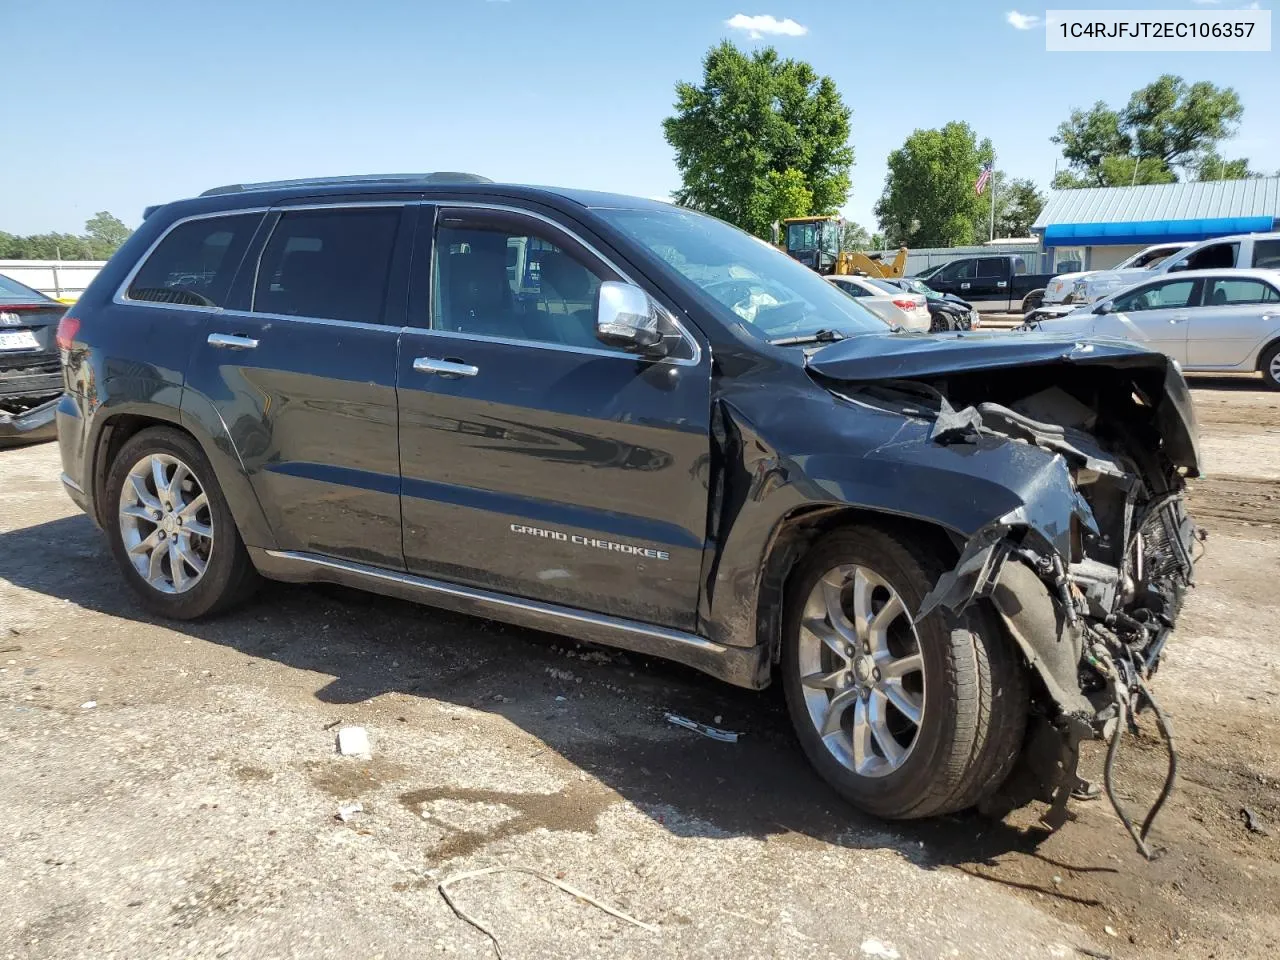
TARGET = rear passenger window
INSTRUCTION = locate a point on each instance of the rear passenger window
(991, 267)
(1224, 293)
(329, 264)
(1266, 254)
(195, 262)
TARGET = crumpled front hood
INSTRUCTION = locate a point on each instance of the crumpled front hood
(875, 357)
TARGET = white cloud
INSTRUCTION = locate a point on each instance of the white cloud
(1021, 21)
(757, 26)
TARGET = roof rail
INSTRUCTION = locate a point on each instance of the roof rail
(398, 178)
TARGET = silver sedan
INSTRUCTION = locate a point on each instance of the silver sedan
(1207, 320)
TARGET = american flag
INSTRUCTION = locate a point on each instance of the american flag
(983, 179)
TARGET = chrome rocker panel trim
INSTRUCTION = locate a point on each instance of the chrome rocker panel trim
(741, 666)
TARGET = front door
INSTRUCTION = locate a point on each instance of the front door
(1157, 315)
(536, 461)
(956, 278)
(305, 379)
(1227, 328)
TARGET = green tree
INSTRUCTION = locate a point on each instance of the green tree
(928, 198)
(1017, 206)
(106, 233)
(1213, 166)
(855, 237)
(1167, 128)
(760, 138)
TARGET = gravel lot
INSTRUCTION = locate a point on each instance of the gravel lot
(170, 790)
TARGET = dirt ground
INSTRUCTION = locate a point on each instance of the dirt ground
(170, 790)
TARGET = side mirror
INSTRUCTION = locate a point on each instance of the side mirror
(1104, 308)
(627, 317)
(1180, 265)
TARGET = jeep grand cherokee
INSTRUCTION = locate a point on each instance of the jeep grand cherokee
(633, 424)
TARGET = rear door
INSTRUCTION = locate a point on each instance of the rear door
(302, 373)
(990, 285)
(1156, 314)
(536, 461)
(1237, 313)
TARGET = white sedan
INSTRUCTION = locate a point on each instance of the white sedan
(1207, 320)
(898, 309)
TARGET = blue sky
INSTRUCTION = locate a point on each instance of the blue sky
(148, 101)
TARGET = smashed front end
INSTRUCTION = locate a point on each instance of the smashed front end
(1088, 573)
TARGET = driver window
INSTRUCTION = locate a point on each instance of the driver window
(1160, 296)
(512, 283)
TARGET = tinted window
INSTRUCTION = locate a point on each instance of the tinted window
(1218, 256)
(513, 283)
(1160, 296)
(331, 264)
(957, 270)
(1223, 293)
(992, 267)
(852, 289)
(1266, 253)
(195, 262)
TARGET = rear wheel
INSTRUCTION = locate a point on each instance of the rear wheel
(905, 719)
(170, 528)
(1270, 367)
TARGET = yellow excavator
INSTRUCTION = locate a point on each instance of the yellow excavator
(815, 242)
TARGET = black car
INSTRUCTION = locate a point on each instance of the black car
(30, 374)
(947, 311)
(633, 424)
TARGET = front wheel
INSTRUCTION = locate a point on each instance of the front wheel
(170, 528)
(905, 719)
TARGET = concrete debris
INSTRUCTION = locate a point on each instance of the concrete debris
(88, 704)
(349, 811)
(1253, 822)
(874, 948)
(715, 733)
(354, 742)
(555, 673)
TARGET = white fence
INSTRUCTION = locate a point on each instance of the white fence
(54, 278)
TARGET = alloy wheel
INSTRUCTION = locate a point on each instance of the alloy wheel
(861, 670)
(165, 523)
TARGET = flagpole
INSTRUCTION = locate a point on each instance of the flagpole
(993, 198)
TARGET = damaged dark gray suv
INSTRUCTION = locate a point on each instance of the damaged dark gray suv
(629, 423)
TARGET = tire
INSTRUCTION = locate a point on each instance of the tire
(971, 688)
(1270, 366)
(216, 572)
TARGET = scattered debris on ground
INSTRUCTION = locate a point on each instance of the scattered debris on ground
(715, 733)
(354, 742)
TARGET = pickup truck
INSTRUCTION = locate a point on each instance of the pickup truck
(998, 283)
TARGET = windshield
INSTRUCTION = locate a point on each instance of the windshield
(920, 287)
(771, 294)
(1148, 258)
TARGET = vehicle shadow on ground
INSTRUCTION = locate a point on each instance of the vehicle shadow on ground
(610, 723)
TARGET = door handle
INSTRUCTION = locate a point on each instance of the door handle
(1178, 318)
(1002, 284)
(446, 368)
(229, 341)
(964, 286)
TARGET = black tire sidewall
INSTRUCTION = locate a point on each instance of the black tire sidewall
(1265, 366)
(224, 570)
(899, 793)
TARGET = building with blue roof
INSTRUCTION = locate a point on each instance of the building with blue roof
(1100, 226)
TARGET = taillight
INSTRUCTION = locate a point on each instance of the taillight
(905, 304)
(68, 327)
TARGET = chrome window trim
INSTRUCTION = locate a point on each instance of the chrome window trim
(122, 292)
(685, 335)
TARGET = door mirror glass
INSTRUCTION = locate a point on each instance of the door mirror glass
(1179, 265)
(628, 318)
